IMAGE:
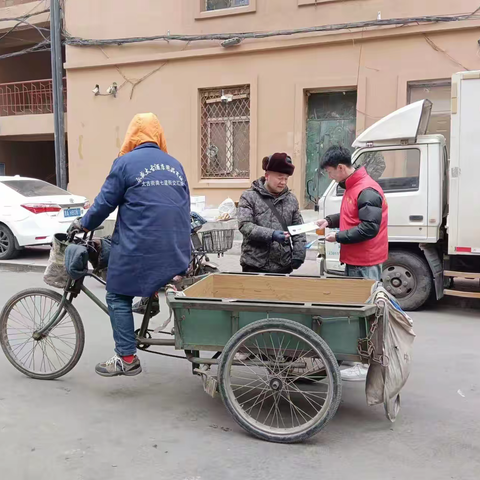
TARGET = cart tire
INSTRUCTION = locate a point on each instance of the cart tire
(29, 314)
(269, 328)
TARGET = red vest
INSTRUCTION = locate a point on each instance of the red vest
(373, 251)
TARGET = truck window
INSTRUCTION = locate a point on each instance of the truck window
(394, 170)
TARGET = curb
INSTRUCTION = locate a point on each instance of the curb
(22, 267)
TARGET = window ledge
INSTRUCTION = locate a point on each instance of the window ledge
(224, 12)
(302, 3)
(242, 183)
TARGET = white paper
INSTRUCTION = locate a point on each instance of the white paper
(306, 227)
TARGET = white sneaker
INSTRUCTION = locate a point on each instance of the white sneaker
(357, 373)
(241, 357)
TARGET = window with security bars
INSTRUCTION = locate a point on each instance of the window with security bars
(220, 4)
(225, 132)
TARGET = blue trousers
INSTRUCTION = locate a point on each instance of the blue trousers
(372, 273)
(121, 317)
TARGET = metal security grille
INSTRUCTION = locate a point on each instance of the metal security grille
(225, 133)
(27, 98)
(219, 4)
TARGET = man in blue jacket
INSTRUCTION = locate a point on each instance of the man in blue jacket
(151, 240)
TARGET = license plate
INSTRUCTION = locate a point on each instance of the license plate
(71, 212)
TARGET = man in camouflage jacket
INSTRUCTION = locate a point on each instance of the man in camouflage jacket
(267, 247)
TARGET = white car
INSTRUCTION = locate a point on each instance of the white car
(32, 212)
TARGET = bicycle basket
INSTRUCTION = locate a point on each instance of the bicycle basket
(217, 241)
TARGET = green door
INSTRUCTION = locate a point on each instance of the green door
(331, 120)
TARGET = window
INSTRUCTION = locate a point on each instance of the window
(34, 188)
(316, 2)
(225, 133)
(394, 170)
(2, 169)
(439, 93)
(221, 4)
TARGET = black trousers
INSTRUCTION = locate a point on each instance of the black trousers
(249, 269)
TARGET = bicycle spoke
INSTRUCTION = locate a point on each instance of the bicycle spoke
(64, 342)
(297, 390)
(298, 409)
(56, 352)
(242, 386)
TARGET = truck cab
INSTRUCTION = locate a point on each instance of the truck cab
(411, 168)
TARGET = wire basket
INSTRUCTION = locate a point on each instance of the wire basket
(217, 241)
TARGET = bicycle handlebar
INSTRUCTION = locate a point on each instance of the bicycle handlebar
(72, 235)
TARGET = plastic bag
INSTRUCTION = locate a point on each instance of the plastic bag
(391, 362)
(56, 274)
(227, 210)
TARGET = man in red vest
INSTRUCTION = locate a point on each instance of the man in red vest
(363, 217)
(363, 221)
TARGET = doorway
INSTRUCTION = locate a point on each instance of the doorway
(331, 120)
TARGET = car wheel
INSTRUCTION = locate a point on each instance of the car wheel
(8, 249)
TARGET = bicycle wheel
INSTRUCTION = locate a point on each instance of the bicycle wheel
(52, 356)
(259, 387)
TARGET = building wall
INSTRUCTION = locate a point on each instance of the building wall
(29, 159)
(378, 63)
(35, 66)
(10, 3)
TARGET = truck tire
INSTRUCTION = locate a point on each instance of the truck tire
(407, 276)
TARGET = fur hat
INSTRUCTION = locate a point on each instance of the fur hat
(278, 162)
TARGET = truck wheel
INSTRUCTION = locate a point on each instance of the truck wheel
(407, 276)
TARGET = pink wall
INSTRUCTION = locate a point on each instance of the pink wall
(379, 64)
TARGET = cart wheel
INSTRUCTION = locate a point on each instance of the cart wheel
(52, 356)
(257, 386)
(392, 407)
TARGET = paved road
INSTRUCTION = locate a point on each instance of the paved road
(161, 425)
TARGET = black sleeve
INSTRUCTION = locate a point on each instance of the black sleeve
(370, 214)
(333, 220)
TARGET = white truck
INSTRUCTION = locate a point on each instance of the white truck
(434, 201)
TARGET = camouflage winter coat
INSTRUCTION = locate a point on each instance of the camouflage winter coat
(257, 223)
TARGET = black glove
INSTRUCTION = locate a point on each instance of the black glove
(75, 227)
(296, 264)
(279, 236)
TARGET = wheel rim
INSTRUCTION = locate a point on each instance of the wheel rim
(262, 387)
(399, 281)
(48, 355)
(4, 243)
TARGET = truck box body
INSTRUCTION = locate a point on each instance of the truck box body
(464, 190)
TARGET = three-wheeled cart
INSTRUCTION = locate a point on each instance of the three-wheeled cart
(269, 345)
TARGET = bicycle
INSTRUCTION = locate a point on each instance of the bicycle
(42, 333)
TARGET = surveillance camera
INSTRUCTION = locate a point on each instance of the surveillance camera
(226, 98)
(112, 89)
(96, 90)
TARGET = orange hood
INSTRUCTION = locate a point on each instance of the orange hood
(144, 128)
